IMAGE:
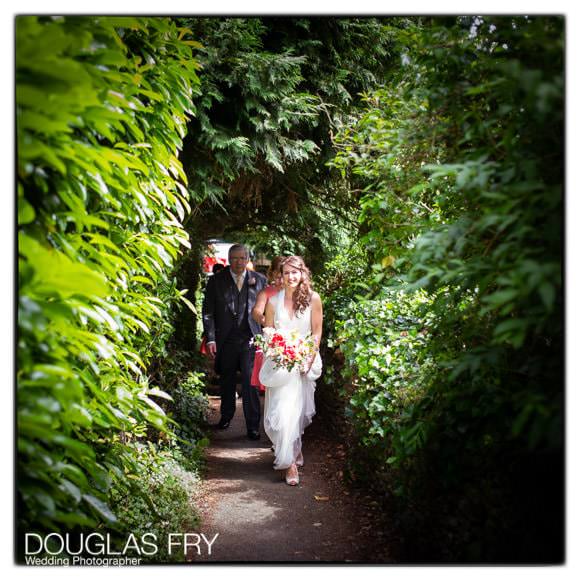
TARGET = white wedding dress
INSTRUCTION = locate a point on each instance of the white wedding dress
(289, 408)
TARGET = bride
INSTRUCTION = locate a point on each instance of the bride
(289, 408)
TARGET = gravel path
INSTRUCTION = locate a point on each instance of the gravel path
(261, 519)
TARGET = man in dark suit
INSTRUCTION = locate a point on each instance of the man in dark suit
(228, 325)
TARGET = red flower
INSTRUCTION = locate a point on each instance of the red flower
(208, 262)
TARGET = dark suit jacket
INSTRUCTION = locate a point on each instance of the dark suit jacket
(219, 305)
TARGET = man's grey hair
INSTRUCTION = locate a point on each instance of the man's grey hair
(238, 247)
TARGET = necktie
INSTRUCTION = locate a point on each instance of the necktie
(240, 281)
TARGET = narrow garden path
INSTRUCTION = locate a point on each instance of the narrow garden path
(261, 519)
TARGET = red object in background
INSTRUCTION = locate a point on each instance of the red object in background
(210, 261)
(255, 380)
(203, 347)
(259, 355)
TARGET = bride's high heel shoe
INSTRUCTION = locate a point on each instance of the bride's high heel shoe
(292, 477)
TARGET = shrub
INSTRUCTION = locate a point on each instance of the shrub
(102, 105)
(189, 412)
(460, 161)
(388, 368)
(156, 497)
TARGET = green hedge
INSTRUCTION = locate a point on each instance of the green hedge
(460, 164)
(384, 344)
(102, 105)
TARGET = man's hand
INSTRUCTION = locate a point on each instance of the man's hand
(211, 349)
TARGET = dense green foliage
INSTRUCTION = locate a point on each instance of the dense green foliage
(416, 163)
(161, 500)
(273, 92)
(102, 106)
(384, 339)
(461, 162)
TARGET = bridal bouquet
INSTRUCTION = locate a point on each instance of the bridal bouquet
(287, 350)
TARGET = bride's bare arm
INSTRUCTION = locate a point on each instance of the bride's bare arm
(315, 323)
(316, 317)
(269, 315)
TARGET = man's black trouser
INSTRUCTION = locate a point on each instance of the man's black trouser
(237, 354)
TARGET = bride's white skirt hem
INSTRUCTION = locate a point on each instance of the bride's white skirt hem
(289, 409)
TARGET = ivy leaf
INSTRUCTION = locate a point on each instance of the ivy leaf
(100, 507)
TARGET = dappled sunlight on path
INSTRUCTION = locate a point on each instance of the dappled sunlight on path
(261, 519)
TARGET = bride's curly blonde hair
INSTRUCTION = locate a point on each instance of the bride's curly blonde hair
(303, 293)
